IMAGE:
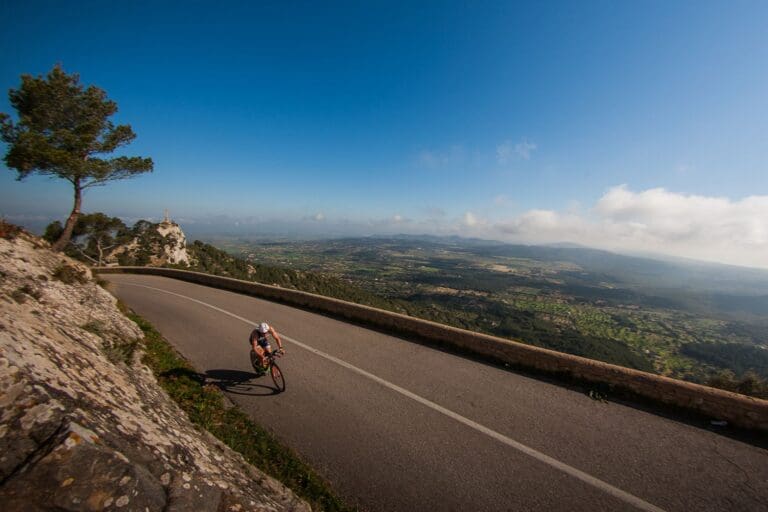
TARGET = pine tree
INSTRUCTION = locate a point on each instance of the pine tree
(62, 130)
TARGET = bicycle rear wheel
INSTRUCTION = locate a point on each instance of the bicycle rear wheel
(277, 377)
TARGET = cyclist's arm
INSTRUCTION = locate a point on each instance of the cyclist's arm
(274, 334)
(252, 339)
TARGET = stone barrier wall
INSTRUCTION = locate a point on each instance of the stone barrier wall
(739, 410)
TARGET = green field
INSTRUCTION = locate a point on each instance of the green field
(649, 315)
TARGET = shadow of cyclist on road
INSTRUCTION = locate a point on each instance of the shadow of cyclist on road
(238, 382)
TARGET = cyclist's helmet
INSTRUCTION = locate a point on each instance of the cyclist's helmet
(263, 328)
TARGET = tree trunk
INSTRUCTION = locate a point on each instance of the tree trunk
(63, 240)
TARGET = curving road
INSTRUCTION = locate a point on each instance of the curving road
(398, 426)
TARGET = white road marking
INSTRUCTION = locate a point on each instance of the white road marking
(541, 457)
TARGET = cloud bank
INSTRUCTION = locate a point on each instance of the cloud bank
(659, 221)
(656, 220)
(506, 151)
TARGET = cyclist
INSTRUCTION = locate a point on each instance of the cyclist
(260, 342)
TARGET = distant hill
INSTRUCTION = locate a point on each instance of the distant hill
(631, 270)
(694, 321)
(699, 286)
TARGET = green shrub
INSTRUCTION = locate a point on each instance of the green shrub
(749, 384)
(68, 274)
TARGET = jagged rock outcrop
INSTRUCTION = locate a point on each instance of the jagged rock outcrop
(153, 245)
(81, 429)
(176, 248)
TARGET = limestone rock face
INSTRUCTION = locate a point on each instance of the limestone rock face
(176, 248)
(83, 429)
(153, 245)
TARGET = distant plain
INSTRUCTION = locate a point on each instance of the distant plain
(682, 319)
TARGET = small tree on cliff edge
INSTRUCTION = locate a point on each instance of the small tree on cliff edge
(62, 128)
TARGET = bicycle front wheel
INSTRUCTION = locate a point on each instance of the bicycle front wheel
(277, 377)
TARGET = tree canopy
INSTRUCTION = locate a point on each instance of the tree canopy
(63, 130)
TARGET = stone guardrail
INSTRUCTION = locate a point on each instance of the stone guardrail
(739, 410)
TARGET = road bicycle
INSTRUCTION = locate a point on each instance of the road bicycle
(274, 371)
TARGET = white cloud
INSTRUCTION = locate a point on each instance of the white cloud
(428, 158)
(470, 219)
(656, 220)
(476, 225)
(437, 158)
(318, 217)
(396, 221)
(525, 148)
(506, 151)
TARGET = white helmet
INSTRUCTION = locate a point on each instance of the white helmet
(263, 328)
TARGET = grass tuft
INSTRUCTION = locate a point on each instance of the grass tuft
(116, 352)
(95, 327)
(7, 230)
(20, 294)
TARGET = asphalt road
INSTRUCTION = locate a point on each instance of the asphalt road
(395, 425)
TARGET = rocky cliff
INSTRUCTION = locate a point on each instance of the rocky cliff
(153, 245)
(83, 424)
(176, 248)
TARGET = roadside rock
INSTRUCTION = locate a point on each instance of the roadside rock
(79, 473)
(83, 424)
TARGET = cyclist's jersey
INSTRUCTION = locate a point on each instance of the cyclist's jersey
(261, 338)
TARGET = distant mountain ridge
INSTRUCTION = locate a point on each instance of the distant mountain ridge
(659, 272)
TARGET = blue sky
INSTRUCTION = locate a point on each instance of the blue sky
(624, 125)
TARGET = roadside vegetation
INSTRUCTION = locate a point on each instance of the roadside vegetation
(206, 407)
